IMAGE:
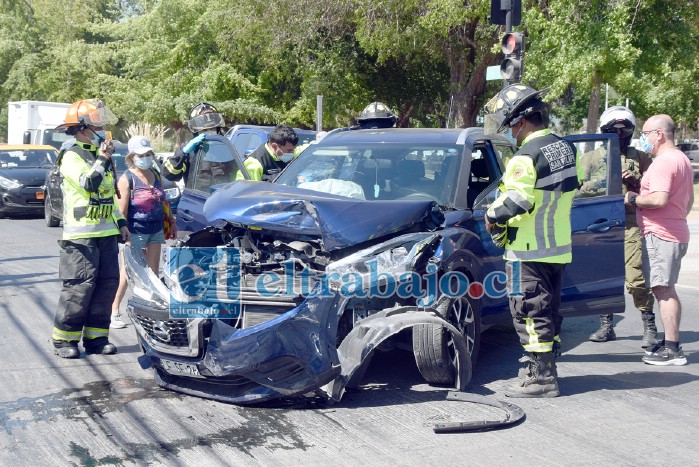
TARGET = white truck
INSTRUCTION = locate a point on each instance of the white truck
(33, 122)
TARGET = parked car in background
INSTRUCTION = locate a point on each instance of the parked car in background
(691, 149)
(23, 169)
(53, 207)
(356, 213)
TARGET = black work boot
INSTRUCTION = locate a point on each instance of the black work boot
(537, 378)
(606, 329)
(66, 349)
(650, 332)
(101, 345)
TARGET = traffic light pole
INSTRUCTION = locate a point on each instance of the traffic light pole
(509, 13)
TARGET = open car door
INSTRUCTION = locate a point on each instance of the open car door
(216, 162)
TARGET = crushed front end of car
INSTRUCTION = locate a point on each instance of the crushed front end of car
(307, 317)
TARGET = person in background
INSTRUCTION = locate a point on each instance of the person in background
(531, 220)
(92, 224)
(269, 159)
(203, 119)
(375, 115)
(141, 202)
(620, 120)
(665, 199)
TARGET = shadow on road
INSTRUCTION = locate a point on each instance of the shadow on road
(632, 380)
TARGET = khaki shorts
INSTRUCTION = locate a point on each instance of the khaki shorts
(661, 261)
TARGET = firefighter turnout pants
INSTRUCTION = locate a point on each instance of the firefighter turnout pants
(89, 269)
(635, 282)
(535, 299)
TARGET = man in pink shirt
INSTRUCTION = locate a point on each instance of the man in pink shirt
(666, 197)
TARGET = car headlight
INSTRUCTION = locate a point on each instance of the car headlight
(9, 184)
(142, 280)
(388, 261)
(172, 193)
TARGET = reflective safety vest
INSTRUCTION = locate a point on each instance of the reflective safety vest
(538, 189)
(89, 206)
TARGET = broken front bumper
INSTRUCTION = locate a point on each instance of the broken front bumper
(294, 353)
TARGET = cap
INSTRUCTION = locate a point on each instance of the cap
(139, 145)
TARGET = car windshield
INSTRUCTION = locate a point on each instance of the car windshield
(27, 158)
(378, 172)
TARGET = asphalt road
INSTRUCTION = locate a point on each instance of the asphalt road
(99, 410)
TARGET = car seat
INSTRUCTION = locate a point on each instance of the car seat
(478, 180)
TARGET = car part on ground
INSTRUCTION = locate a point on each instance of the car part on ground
(513, 415)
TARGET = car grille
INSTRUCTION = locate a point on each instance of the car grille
(29, 195)
(180, 337)
(172, 332)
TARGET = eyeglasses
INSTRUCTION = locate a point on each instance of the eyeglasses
(647, 132)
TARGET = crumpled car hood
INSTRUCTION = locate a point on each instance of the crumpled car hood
(338, 221)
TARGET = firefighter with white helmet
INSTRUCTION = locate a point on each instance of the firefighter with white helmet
(620, 120)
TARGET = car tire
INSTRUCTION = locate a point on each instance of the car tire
(433, 345)
(51, 221)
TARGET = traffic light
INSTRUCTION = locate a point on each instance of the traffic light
(513, 64)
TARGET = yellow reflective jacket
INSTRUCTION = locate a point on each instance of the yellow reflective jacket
(90, 209)
(538, 189)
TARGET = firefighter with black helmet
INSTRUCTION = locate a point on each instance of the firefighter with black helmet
(92, 225)
(203, 119)
(376, 115)
(620, 120)
(531, 220)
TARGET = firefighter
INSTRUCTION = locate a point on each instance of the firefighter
(269, 159)
(375, 115)
(531, 220)
(620, 120)
(203, 119)
(92, 225)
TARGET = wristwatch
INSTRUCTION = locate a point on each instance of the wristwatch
(632, 200)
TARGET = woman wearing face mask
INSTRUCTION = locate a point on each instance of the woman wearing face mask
(141, 203)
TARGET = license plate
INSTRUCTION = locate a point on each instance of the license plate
(178, 368)
(39, 195)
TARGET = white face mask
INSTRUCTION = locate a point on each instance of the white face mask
(143, 162)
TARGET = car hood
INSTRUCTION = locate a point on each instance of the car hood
(337, 221)
(30, 176)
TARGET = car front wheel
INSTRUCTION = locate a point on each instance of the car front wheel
(433, 346)
(51, 220)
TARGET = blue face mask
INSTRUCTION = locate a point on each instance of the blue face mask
(143, 162)
(645, 144)
(97, 137)
(287, 157)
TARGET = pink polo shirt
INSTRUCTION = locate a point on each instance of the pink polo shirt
(671, 172)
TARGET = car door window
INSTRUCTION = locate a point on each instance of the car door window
(214, 165)
(504, 153)
(593, 159)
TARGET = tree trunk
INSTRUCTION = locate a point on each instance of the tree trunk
(468, 65)
(593, 110)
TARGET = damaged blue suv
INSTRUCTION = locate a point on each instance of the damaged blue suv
(367, 234)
